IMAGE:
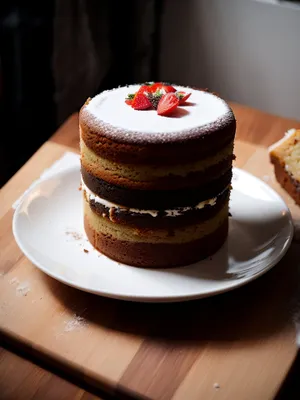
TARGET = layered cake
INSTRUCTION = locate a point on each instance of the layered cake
(156, 167)
(285, 156)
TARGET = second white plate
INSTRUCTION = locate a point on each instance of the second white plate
(48, 227)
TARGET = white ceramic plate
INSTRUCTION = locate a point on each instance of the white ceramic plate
(48, 227)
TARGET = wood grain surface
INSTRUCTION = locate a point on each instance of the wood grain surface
(239, 345)
(22, 380)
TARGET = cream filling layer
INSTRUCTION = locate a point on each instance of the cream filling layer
(154, 213)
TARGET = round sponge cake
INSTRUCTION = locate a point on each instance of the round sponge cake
(156, 188)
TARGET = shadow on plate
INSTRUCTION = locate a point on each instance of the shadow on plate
(250, 313)
(243, 255)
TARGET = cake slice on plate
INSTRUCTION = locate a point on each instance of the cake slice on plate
(285, 156)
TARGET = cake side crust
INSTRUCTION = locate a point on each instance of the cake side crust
(153, 219)
(155, 199)
(161, 255)
(172, 234)
(287, 182)
(179, 149)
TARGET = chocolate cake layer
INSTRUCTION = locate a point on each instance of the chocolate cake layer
(175, 149)
(158, 176)
(290, 184)
(160, 255)
(155, 199)
(163, 219)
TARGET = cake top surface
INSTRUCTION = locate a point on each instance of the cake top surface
(109, 112)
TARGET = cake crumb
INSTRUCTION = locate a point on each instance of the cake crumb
(14, 281)
(23, 289)
(85, 250)
(216, 386)
(80, 187)
(75, 235)
(266, 178)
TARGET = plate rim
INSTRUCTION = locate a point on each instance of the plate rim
(141, 298)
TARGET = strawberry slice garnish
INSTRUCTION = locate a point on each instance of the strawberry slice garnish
(129, 99)
(167, 104)
(168, 88)
(140, 102)
(165, 87)
(144, 89)
(155, 86)
(183, 96)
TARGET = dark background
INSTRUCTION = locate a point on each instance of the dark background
(55, 54)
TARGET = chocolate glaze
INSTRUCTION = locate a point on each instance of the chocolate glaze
(161, 221)
(156, 199)
(160, 255)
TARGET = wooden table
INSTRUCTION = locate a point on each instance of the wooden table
(238, 345)
(22, 380)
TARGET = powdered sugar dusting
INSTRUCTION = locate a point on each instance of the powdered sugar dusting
(23, 289)
(285, 138)
(14, 281)
(75, 323)
(109, 111)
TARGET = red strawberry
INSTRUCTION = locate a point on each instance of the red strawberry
(140, 102)
(162, 86)
(167, 104)
(168, 88)
(183, 96)
(129, 99)
(155, 86)
(144, 89)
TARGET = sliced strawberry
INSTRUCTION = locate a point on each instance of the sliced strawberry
(144, 89)
(183, 96)
(167, 104)
(155, 86)
(168, 88)
(161, 86)
(129, 98)
(140, 102)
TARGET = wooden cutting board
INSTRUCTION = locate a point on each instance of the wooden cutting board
(239, 345)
